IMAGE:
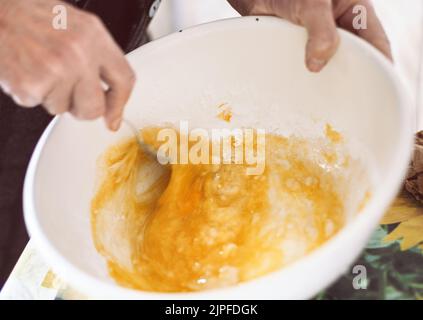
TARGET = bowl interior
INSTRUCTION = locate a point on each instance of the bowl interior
(256, 66)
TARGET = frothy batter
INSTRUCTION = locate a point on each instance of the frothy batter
(192, 227)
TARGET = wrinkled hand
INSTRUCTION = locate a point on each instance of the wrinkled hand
(320, 18)
(62, 69)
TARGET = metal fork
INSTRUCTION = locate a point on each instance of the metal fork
(147, 149)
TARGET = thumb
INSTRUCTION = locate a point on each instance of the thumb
(323, 38)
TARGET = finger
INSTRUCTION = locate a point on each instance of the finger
(323, 38)
(243, 7)
(120, 78)
(372, 33)
(59, 100)
(88, 98)
(26, 91)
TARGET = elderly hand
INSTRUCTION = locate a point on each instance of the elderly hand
(320, 18)
(63, 69)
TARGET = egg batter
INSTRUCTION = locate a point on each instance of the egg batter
(188, 227)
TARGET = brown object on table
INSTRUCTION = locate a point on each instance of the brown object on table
(414, 179)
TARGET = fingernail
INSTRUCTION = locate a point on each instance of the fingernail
(315, 65)
(115, 125)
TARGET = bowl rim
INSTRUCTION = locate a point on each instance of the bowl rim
(372, 213)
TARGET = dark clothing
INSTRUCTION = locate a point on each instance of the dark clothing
(20, 128)
(126, 20)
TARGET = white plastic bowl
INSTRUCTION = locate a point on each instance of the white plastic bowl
(256, 66)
